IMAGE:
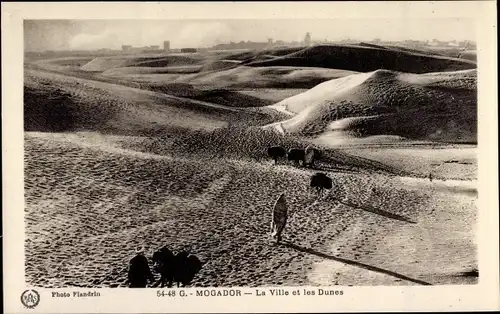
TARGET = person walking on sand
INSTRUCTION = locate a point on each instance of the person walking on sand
(280, 215)
(430, 176)
(139, 272)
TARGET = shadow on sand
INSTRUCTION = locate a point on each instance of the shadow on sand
(354, 263)
(326, 167)
(377, 211)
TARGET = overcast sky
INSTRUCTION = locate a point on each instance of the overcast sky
(94, 34)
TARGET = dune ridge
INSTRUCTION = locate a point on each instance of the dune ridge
(56, 103)
(435, 106)
(353, 58)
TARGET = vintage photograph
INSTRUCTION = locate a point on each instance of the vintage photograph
(250, 152)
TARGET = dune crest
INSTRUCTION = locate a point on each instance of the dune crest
(354, 58)
(435, 106)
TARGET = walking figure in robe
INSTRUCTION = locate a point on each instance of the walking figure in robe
(280, 215)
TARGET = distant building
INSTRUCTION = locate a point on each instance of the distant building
(467, 45)
(243, 45)
(270, 43)
(145, 49)
(188, 50)
(307, 39)
(166, 46)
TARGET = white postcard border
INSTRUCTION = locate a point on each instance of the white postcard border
(483, 296)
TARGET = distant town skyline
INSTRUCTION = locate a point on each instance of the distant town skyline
(43, 35)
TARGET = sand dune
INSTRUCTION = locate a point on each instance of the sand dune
(161, 67)
(218, 65)
(122, 158)
(158, 61)
(63, 64)
(139, 70)
(243, 78)
(59, 103)
(68, 61)
(251, 55)
(104, 63)
(266, 77)
(206, 77)
(232, 76)
(179, 81)
(469, 55)
(434, 106)
(365, 59)
(445, 162)
(238, 86)
(416, 253)
(89, 203)
(170, 60)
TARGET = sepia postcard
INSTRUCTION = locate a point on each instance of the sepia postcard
(204, 157)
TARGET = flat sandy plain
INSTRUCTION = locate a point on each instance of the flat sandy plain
(154, 150)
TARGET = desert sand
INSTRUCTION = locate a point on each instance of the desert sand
(171, 150)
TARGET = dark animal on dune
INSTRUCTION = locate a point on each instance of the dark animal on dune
(194, 265)
(321, 181)
(297, 155)
(164, 263)
(186, 267)
(139, 272)
(276, 152)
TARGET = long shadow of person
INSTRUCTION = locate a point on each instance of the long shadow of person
(354, 263)
(374, 210)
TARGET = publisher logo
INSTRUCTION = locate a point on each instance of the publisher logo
(30, 298)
